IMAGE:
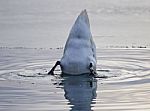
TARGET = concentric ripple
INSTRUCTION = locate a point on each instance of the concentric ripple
(123, 84)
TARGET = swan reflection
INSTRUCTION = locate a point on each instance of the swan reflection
(80, 91)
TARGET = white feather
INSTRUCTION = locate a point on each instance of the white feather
(80, 48)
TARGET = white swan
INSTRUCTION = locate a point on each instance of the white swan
(79, 55)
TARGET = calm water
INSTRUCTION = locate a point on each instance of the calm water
(24, 85)
(44, 24)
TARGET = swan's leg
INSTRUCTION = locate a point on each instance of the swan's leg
(93, 72)
(51, 72)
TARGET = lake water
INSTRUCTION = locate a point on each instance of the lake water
(25, 85)
(32, 37)
(46, 23)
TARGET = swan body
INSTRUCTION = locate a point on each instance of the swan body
(80, 49)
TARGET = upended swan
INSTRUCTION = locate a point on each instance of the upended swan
(79, 55)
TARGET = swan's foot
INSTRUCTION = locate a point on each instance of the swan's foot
(92, 71)
(51, 72)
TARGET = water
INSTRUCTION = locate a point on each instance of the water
(32, 34)
(35, 23)
(25, 85)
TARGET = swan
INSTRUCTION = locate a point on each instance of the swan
(79, 55)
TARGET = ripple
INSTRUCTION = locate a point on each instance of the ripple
(123, 84)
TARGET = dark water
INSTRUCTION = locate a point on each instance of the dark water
(25, 85)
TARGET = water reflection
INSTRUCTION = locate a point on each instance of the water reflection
(80, 91)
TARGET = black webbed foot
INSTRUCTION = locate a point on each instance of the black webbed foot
(51, 72)
(92, 71)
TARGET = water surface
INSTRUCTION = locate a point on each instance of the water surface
(25, 85)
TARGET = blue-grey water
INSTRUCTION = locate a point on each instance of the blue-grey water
(25, 85)
(46, 23)
(32, 35)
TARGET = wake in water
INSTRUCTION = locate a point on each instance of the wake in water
(124, 81)
(122, 64)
